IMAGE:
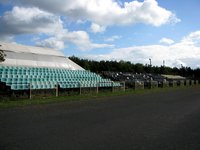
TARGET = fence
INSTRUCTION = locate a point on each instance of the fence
(80, 86)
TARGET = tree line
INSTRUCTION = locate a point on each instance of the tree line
(127, 66)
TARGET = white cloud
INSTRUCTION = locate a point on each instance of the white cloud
(179, 63)
(166, 41)
(192, 38)
(31, 20)
(97, 28)
(44, 17)
(108, 12)
(52, 43)
(112, 38)
(183, 52)
(80, 38)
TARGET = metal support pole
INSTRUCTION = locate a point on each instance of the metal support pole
(57, 90)
(112, 86)
(80, 87)
(124, 88)
(97, 87)
(30, 94)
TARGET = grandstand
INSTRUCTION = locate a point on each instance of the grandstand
(149, 80)
(28, 67)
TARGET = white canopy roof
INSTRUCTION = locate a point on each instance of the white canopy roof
(20, 55)
(29, 49)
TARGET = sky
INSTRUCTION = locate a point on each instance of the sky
(130, 30)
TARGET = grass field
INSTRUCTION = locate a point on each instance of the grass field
(52, 99)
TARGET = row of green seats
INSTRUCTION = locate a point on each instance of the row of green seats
(32, 69)
(45, 76)
(63, 72)
(62, 85)
(34, 86)
(19, 86)
(48, 74)
(27, 77)
(42, 78)
(29, 80)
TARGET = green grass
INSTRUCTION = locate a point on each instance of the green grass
(91, 96)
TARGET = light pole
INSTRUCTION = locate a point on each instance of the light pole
(163, 63)
(150, 61)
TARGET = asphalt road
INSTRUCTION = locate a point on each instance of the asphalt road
(157, 121)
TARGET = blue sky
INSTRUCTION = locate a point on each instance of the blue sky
(108, 29)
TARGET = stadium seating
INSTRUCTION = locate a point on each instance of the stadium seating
(24, 78)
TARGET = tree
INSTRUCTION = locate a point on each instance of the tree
(127, 66)
(139, 68)
(2, 56)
